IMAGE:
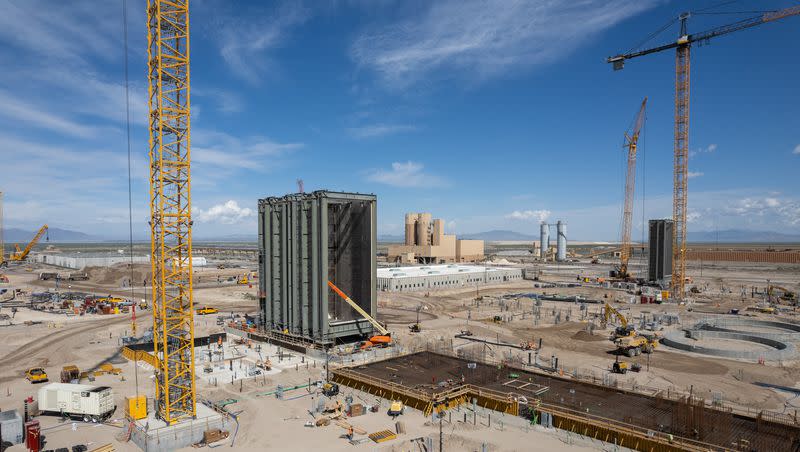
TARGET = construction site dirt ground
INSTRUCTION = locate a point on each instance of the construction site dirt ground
(90, 340)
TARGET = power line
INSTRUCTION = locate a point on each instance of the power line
(130, 188)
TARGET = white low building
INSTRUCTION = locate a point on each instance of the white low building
(436, 277)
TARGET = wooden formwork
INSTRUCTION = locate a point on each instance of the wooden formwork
(424, 401)
(621, 434)
(592, 426)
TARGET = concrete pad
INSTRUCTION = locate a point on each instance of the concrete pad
(154, 435)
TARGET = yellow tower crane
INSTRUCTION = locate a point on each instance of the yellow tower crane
(631, 142)
(170, 207)
(681, 154)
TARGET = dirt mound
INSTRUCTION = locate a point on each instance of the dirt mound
(116, 274)
(586, 336)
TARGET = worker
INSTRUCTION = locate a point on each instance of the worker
(350, 433)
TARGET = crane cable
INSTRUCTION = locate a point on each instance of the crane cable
(130, 189)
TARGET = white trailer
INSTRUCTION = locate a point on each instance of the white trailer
(90, 403)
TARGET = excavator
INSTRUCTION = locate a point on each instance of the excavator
(624, 329)
(22, 254)
(626, 338)
(384, 339)
(787, 295)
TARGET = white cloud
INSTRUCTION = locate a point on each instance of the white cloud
(693, 174)
(774, 210)
(227, 102)
(483, 39)
(65, 31)
(227, 151)
(18, 110)
(245, 38)
(693, 216)
(796, 150)
(538, 215)
(227, 213)
(706, 150)
(379, 130)
(405, 174)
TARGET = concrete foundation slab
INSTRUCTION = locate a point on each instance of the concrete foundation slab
(153, 435)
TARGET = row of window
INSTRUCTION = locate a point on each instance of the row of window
(443, 283)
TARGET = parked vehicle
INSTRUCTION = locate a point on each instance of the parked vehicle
(36, 375)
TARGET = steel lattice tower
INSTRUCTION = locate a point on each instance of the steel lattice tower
(170, 207)
(680, 168)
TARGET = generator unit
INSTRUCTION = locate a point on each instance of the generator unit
(90, 403)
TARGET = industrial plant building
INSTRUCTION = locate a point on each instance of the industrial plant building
(426, 243)
(79, 261)
(306, 240)
(436, 277)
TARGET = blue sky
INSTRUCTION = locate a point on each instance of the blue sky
(489, 114)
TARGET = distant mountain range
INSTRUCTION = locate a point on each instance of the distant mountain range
(499, 236)
(21, 236)
(16, 235)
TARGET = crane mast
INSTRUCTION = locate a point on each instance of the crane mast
(631, 143)
(170, 207)
(682, 48)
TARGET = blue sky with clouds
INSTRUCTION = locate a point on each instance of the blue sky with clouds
(489, 114)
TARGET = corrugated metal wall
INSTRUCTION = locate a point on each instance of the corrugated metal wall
(304, 241)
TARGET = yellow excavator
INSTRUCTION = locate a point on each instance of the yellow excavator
(384, 339)
(786, 294)
(624, 329)
(21, 254)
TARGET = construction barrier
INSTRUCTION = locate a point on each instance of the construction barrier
(781, 257)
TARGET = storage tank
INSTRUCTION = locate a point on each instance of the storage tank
(561, 243)
(423, 229)
(544, 240)
(411, 222)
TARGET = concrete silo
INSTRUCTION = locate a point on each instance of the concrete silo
(544, 240)
(561, 243)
